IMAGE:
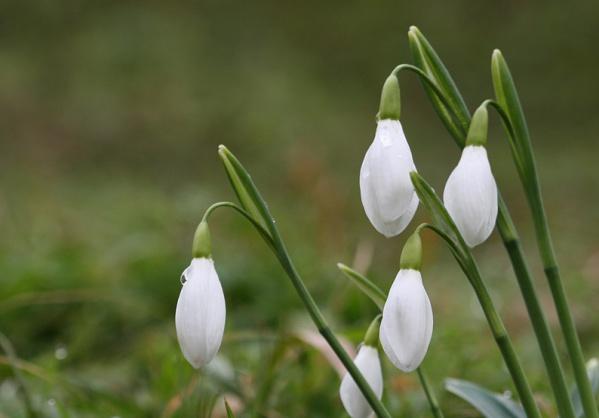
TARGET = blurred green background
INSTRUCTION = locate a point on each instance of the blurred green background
(110, 115)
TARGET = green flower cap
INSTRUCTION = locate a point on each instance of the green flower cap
(411, 255)
(477, 133)
(372, 335)
(390, 106)
(202, 247)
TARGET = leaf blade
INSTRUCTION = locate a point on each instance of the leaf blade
(428, 60)
(230, 413)
(365, 285)
(490, 404)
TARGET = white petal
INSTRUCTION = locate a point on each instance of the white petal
(470, 196)
(386, 190)
(407, 324)
(200, 314)
(368, 362)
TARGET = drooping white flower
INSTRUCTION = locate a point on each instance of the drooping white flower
(200, 314)
(387, 193)
(368, 362)
(407, 324)
(470, 195)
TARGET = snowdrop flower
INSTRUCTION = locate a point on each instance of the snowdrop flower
(200, 313)
(368, 362)
(407, 324)
(470, 194)
(386, 190)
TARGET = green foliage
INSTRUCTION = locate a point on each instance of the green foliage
(491, 405)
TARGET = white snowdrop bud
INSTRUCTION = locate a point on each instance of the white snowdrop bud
(200, 314)
(407, 324)
(470, 194)
(368, 362)
(387, 193)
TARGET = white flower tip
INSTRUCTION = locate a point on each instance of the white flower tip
(200, 314)
(386, 189)
(470, 196)
(407, 325)
(368, 362)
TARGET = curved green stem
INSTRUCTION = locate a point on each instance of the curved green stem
(451, 235)
(424, 77)
(470, 269)
(278, 246)
(508, 99)
(261, 230)
(504, 225)
(511, 241)
(430, 394)
(323, 328)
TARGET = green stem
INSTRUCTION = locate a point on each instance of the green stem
(273, 237)
(511, 241)
(558, 293)
(508, 99)
(470, 269)
(325, 331)
(504, 343)
(430, 394)
(427, 80)
(547, 345)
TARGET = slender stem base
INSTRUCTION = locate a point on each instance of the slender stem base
(326, 332)
(572, 342)
(505, 346)
(545, 339)
(430, 394)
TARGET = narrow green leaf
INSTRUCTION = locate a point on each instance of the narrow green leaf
(457, 118)
(230, 413)
(243, 185)
(490, 404)
(507, 97)
(365, 285)
(508, 101)
(593, 372)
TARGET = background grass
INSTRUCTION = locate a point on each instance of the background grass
(110, 114)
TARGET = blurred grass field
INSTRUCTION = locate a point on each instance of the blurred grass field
(110, 115)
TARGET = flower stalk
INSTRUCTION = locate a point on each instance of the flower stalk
(447, 230)
(453, 116)
(430, 394)
(271, 233)
(507, 97)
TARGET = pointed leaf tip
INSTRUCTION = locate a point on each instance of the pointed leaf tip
(230, 413)
(365, 285)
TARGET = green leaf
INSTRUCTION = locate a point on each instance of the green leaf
(230, 413)
(490, 404)
(244, 188)
(509, 101)
(457, 118)
(365, 285)
(593, 372)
